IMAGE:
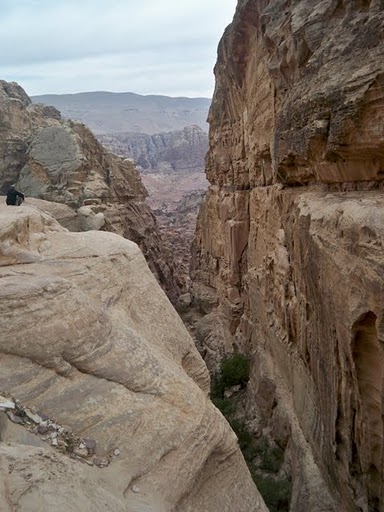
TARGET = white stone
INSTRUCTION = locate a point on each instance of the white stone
(6, 404)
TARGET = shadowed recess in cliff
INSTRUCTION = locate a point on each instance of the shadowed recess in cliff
(367, 352)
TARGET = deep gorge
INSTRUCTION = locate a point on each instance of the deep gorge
(285, 303)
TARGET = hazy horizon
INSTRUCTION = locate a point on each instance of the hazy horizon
(70, 47)
(118, 92)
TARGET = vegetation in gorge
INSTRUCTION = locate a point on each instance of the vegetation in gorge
(263, 457)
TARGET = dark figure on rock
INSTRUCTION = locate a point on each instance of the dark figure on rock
(14, 197)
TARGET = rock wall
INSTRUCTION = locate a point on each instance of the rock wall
(91, 349)
(61, 161)
(287, 262)
(178, 150)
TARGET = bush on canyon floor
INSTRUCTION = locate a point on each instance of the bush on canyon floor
(272, 459)
(276, 493)
(234, 370)
(225, 405)
(263, 457)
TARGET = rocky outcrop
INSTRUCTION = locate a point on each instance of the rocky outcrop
(62, 161)
(96, 361)
(288, 264)
(182, 150)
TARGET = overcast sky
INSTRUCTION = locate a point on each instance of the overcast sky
(143, 46)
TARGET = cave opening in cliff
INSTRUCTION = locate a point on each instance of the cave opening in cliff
(368, 358)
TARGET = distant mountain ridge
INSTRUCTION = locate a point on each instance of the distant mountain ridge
(114, 112)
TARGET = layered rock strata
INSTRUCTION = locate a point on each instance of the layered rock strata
(288, 262)
(61, 161)
(178, 150)
(91, 343)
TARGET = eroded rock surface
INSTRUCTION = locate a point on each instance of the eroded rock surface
(90, 341)
(288, 263)
(61, 161)
(178, 150)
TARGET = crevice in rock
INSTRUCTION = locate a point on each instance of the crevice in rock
(367, 353)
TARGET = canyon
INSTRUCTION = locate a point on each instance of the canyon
(171, 163)
(287, 262)
(104, 394)
(104, 398)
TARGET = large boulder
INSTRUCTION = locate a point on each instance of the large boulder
(91, 349)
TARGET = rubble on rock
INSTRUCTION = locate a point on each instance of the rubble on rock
(58, 436)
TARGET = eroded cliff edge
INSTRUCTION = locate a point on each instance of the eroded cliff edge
(288, 261)
(58, 160)
(89, 339)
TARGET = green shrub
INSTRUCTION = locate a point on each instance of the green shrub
(225, 406)
(243, 435)
(261, 446)
(234, 370)
(276, 493)
(272, 459)
(217, 387)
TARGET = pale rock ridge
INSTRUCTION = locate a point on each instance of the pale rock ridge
(61, 161)
(288, 262)
(89, 339)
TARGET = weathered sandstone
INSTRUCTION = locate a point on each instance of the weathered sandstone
(288, 263)
(90, 340)
(61, 161)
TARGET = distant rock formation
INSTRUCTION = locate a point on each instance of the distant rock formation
(103, 395)
(177, 223)
(110, 112)
(62, 161)
(128, 125)
(172, 168)
(181, 150)
(288, 259)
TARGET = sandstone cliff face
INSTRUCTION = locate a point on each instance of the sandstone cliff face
(62, 161)
(288, 262)
(91, 342)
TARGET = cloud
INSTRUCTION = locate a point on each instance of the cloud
(147, 46)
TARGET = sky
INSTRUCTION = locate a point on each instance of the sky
(144, 46)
